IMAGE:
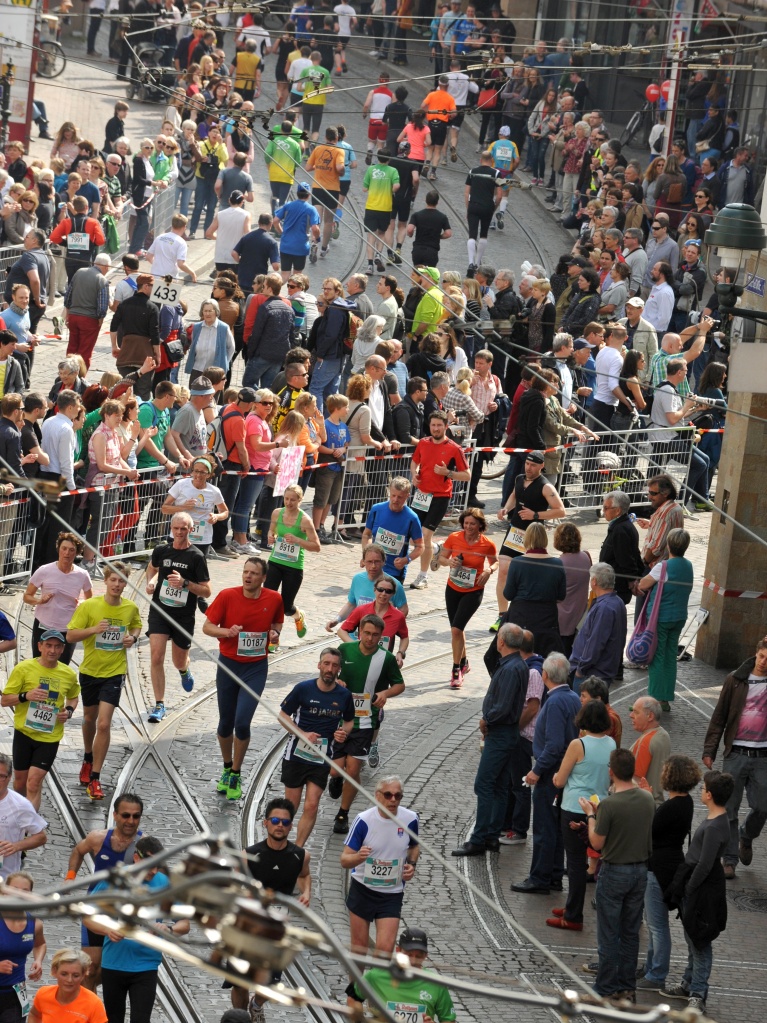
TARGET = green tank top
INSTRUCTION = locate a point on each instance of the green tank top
(284, 552)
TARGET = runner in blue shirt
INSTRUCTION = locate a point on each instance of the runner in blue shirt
(505, 160)
(298, 219)
(394, 526)
(362, 589)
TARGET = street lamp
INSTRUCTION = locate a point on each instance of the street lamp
(737, 233)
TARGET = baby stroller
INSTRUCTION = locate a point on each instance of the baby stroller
(152, 80)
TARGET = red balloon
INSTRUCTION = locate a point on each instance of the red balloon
(665, 88)
(652, 93)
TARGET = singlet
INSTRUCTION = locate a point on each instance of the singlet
(16, 946)
(527, 497)
(285, 552)
(277, 869)
(107, 857)
(381, 98)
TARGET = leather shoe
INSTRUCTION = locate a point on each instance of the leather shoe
(556, 886)
(529, 887)
(493, 845)
(470, 849)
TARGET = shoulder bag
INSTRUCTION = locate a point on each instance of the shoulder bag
(644, 639)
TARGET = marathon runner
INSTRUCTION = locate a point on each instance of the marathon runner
(245, 620)
(382, 856)
(328, 162)
(181, 577)
(482, 196)
(298, 220)
(373, 676)
(362, 589)
(395, 624)
(505, 160)
(376, 102)
(21, 826)
(108, 627)
(44, 695)
(324, 712)
(437, 462)
(394, 526)
(107, 848)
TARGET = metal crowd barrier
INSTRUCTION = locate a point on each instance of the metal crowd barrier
(366, 479)
(622, 461)
(8, 256)
(16, 536)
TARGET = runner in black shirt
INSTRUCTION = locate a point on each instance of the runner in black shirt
(430, 226)
(482, 195)
(402, 202)
(395, 117)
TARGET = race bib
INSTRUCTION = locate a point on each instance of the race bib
(173, 596)
(382, 873)
(421, 501)
(515, 539)
(286, 549)
(403, 1012)
(111, 638)
(308, 751)
(466, 578)
(197, 534)
(392, 543)
(361, 705)
(41, 716)
(21, 994)
(78, 241)
(252, 644)
(164, 293)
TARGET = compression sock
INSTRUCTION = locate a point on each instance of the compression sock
(503, 205)
(472, 247)
(481, 246)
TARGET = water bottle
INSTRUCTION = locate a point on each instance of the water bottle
(119, 545)
(459, 558)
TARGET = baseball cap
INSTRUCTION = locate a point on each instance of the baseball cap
(636, 301)
(413, 938)
(578, 261)
(582, 343)
(53, 634)
(505, 131)
(304, 186)
(430, 271)
(246, 394)
(535, 456)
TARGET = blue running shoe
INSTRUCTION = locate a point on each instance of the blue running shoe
(187, 681)
(156, 715)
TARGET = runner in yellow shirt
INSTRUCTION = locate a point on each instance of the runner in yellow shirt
(43, 694)
(108, 627)
(316, 82)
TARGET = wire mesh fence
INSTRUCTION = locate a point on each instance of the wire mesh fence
(16, 536)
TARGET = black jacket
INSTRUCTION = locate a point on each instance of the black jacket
(139, 181)
(506, 305)
(712, 131)
(532, 416)
(14, 377)
(273, 332)
(137, 315)
(425, 364)
(328, 332)
(620, 550)
(10, 446)
(407, 417)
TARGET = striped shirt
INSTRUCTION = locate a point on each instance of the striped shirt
(669, 516)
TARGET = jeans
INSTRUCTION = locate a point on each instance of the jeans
(575, 848)
(548, 863)
(658, 957)
(247, 495)
(205, 198)
(536, 156)
(491, 784)
(140, 229)
(518, 808)
(698, 969)
(620, 900)
(260, 373)
(93, 29)
(183, 196)
(229, 485)
(750, 774)
(693, 126)
(696, 487)
(326, 376)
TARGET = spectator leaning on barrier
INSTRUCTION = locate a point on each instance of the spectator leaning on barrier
(85, 305)
(33, 269)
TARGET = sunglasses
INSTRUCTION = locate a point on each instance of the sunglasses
(130, 816)
(392, 795)
(381, 589)
(269, 403)
(653, 493)
(293, 285)
(656, 227)
(284, 821)
(27, 200)
(700, 195)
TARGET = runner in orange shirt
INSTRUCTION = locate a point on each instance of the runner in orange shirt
(440, 110)
(327, 163)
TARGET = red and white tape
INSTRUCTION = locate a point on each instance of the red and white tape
(720, 591)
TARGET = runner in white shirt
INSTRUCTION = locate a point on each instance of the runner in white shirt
(21, 825)
(228, 227)
(253, 30)
(167, 254)
(347, 19)
(459, 86)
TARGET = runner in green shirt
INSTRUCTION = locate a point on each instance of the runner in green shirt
(409, 1001)
(108, 627)
(380, 182)
(372, 676)
(316, 79)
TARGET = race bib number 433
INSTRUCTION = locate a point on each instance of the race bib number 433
(166, 294)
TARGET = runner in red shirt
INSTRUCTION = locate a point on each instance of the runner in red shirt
(395, 623)
(437, 463)
(245, 620)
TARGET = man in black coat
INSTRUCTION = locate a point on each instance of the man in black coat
(506, 303)
(407, 414)
(620, 548)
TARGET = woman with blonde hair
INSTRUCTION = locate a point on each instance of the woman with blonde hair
(66, 145)
(19, 223)
(286, 437)
(358, 423)
(535, 584)
(540, 321)
(291, 535)
(67, 998)
(650, 184)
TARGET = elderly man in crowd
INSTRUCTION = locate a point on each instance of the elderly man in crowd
(598, 646)
(653, 747)
(499, 724)
(635, 258)
(671, 348)
(555, 728)
(620, 547)
(667, 515)
(641, 336)
(506, 303)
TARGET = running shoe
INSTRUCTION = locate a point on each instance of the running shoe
(372, 53)
(324, 537)
(56, 325)
(370, 270)
(396, 257)
(369, 159)
(472, 269)
(256, 1011)
(313, 252)
(499, 220)
(512, 838)
(323, 252)
(244, 548)
(273, 648)
(453, 154)
(156, 715)
(300, 621)
(95, 790)
(496, 624)
(420, 582)
(456, 678)
(335, 787)
(89, 566)
(465, 666)
(85, 773)
(373, 758)
(235, 786)
(187, 681)
(336, 230)
(222, 786)
(434, 563)
(225, 552)
(380, 265)
(341, 823)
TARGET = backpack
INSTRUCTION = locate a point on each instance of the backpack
(217, 445)
(354, 324)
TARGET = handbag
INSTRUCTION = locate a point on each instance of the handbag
(701, 147)
(644, 639)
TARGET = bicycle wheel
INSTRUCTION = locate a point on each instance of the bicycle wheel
(633, 126)
(495, 466)
(51, 59)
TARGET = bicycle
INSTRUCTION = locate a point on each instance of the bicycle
(639, 119)
(51, 59)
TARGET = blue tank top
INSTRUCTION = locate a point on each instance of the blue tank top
(16, 947)
(591, 775)
(107, 857)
